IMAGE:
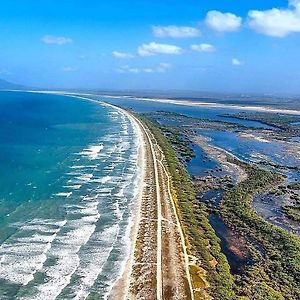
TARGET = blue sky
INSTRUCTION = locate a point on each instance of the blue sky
(208, 45)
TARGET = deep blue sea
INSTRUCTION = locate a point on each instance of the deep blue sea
(68, 179)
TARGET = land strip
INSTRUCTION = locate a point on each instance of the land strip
(160, 267)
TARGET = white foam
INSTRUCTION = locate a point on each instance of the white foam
(22, 257)
(118, 211)
(93, 260)
(66, 246)
(78, 249)
(64, 194)
(83, 167)
(102, 180)
(85, 177)
(92, 152)
(121, 192)
(73, 187)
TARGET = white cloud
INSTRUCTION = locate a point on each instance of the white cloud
(128, 69)
(223, 22)
(69, 69)
(165, 65)
(161, 68)
(237, 62)
(276, 22)
(122, 55)
(56, 40)
(134, 70)
(148, 70)
(175, 31)
(203, 48)
(155, 48)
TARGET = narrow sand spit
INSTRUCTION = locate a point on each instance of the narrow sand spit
(158, 267)
(188, 103)
(222, 156)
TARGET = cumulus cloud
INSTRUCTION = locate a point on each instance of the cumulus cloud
(223, 22)
(122, 55)
(175, 31)
(56, 40)
(203, 48)
(276, 22)
(237, 62)
(155, 48)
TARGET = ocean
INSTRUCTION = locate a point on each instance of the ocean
(69, 177)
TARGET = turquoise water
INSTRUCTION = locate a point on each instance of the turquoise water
(68, 175)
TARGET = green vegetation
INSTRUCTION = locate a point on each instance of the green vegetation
(275, 273)
(277, 276)
(292, 209)
(292, 212)
(294, 186)
(212, 274)
(180, 143)
(283, 122)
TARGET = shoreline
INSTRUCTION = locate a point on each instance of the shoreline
(120, 287)
(222, 155)
(129, 280)
(153, 228)
(267, 109)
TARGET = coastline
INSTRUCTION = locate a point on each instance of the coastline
(120, 287)
(153, 228)
(187, 102)
(211, 104)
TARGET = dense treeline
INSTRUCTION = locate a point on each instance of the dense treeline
(180, 143)
(277, 276)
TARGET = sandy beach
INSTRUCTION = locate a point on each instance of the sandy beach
(213, 105)
(158, 267)
(223, 157)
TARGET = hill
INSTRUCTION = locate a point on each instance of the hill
(6, 85)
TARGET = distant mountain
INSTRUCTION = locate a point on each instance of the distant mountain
(6, 85)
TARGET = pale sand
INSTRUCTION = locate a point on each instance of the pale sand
(222, 156)
(213, 105)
